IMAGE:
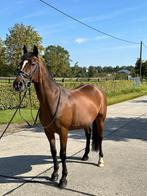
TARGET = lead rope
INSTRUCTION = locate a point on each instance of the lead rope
(30, 100)
(27, 122)
(13, 115)
(18, 108)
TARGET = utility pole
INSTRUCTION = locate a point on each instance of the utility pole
(140, 61)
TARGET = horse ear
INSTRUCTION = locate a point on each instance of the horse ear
(25, 49)
(35, 51)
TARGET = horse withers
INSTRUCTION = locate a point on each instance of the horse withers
(63, 109)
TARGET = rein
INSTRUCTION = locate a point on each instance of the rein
(56, 111)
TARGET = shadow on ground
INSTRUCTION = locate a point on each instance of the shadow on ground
(17, 165)
(120, 129)
(13, 169)
(117, 129)
(139, 101)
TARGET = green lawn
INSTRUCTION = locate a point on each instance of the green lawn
(5, 116)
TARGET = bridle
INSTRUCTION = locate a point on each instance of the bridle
(27, 77)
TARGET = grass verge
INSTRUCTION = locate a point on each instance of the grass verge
(124, 96)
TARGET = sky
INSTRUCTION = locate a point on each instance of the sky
(125, 19)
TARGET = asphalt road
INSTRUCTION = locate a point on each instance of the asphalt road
(26, 164)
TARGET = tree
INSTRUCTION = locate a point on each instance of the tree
(78, 71)
(57, 60)
(92, 71)
(99, 69)
(20, 35)
(3, 66)
(143, 68)
(137, 67)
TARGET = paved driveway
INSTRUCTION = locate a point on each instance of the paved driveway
(26, 164)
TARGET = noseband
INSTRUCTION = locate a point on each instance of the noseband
(27, 77)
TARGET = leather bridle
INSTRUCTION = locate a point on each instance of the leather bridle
(27, 77)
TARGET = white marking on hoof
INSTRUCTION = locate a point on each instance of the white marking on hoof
(101, 162)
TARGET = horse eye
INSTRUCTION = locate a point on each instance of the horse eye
(33, 63)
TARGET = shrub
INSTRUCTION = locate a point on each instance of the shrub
(9, 99)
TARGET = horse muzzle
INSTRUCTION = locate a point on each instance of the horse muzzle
(20, 85)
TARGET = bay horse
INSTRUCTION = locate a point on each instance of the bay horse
(63, 109)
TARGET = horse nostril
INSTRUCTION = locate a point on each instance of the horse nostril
(17, 85)
(20, 83)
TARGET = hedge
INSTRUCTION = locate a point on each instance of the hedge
(9, 99)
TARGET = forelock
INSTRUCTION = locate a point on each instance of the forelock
(27, 56)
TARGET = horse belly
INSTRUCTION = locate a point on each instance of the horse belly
(84, 115)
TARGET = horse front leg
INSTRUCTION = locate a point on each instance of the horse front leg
(51, 138)
(63, 144)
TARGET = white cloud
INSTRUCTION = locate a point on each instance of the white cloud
(81, 40)
(102, 37)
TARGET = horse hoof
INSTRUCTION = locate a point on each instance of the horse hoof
(54, 178)
(62, 184)
(84, 158)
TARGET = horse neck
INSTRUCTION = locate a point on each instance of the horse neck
(46, 88)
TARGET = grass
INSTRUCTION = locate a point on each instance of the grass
(113, 97)
(124, 96)
(5, 116)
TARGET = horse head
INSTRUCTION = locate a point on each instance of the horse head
(29, 70)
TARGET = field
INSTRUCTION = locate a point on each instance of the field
(116, 91)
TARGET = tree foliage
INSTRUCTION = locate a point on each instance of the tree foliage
(20, 35)
(137, 66)
(92, 71)
(57, 60)
(143, 68)
(3, 67)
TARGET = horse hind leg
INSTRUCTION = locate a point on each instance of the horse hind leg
(87, 149)
(97, 138)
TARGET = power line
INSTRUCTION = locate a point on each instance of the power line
(84, 24)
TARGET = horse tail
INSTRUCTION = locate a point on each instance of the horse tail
(95, 137)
